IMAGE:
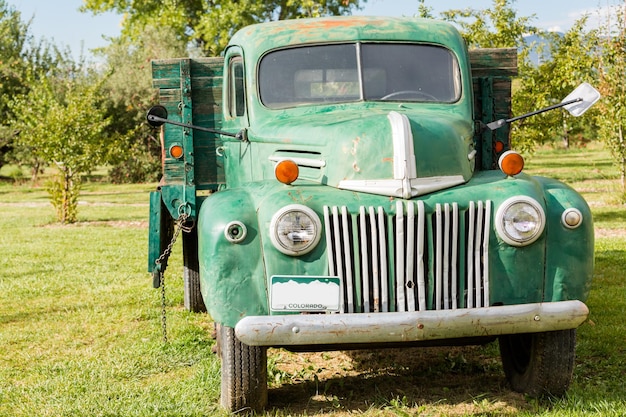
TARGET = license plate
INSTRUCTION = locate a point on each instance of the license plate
(304, 294)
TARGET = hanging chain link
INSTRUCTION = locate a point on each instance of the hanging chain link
(180, 226)
(163, 311)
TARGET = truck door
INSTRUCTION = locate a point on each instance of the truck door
(237, 161)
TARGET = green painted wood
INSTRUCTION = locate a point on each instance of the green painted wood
(493, 62)
(492, 70)
(191, 91)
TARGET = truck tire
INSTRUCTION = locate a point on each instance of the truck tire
(244, 373)
(539, 364)
(191, 273)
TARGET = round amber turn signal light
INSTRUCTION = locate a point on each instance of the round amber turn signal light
(286, 171)
(511, 163)
(176, 151)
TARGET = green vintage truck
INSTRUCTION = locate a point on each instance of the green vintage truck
(339, 184)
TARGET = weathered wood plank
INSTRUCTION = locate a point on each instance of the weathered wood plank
(203, 77)
(493, 62)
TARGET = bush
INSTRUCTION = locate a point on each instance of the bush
(138, 169)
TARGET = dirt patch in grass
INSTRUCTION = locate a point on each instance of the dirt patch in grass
(139, 224)
(610, 232)
(456, 381)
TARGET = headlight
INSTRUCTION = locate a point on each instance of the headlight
(520, 221)
(295, 229)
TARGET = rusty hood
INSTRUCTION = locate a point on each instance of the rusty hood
(395, 153)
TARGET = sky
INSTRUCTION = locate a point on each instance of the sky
(60, 22)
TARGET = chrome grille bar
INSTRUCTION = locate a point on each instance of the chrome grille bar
(477, 248)
(409, 280)
(470, 257)
(384, 275)
(485, 241)
(401, 284)
(421, 265)
(365, 261)
(415, 259)
(349, 279)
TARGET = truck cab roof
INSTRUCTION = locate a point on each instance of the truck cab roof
(260, 38)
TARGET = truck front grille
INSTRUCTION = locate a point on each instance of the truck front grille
(410, 260)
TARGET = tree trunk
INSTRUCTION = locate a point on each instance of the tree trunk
(67, 189)
(622, 168)
(34, 173)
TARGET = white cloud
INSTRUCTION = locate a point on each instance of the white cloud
(598, 17)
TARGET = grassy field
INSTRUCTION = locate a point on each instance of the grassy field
(80, 325)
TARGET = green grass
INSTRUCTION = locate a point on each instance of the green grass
(80, 325)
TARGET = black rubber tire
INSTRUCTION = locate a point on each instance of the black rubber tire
(191, 273)
(539, 364)
(244, 373)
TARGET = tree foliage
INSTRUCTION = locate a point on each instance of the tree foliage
(612, 85)
(22, 59)
(568, 61)
(565, 63)
(63, 124)
(209, 24)
(137, 154)
(496, 27)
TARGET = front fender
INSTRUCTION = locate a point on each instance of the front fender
(569, 251)
(232, 278)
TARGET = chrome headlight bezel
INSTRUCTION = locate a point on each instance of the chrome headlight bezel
(295, 230)
(520, 221)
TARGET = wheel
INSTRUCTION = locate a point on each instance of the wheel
(191, 273)
(244, 373)
(539, 364)
(409, 94)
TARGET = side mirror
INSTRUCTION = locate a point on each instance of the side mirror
(589, 96)
(576, 103)
(157, 116)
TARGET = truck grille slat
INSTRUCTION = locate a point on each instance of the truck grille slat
(384, 272)
(410, 260)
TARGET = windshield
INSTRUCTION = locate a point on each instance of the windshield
(354, 72)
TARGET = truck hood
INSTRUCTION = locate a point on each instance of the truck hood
(393, 153)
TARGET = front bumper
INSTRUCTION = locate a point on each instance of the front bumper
(339, 329)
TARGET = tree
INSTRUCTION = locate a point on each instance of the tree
(569, 60)
(23, 61)
(496, 27)
(13, 67)
(612, 85)
(136, 156)
(210, 23)
(13, 39)
(423, 11)
(63, 123)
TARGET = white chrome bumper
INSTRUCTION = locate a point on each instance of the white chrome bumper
(325, 329)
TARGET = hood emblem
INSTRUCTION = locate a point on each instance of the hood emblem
(405, 182)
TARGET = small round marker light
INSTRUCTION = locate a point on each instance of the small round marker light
(286, 171)
(176, 151)
(572, 218)
(511, 163)
(498, 146)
